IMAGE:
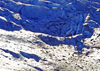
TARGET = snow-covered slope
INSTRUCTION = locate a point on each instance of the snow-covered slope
(49, 35)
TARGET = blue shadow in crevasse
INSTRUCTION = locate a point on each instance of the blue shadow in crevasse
(33, 56)
(8, 26)
(12, 53)
(69, 41)
(35, 67)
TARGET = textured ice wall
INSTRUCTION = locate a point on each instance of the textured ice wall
(49, 35)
